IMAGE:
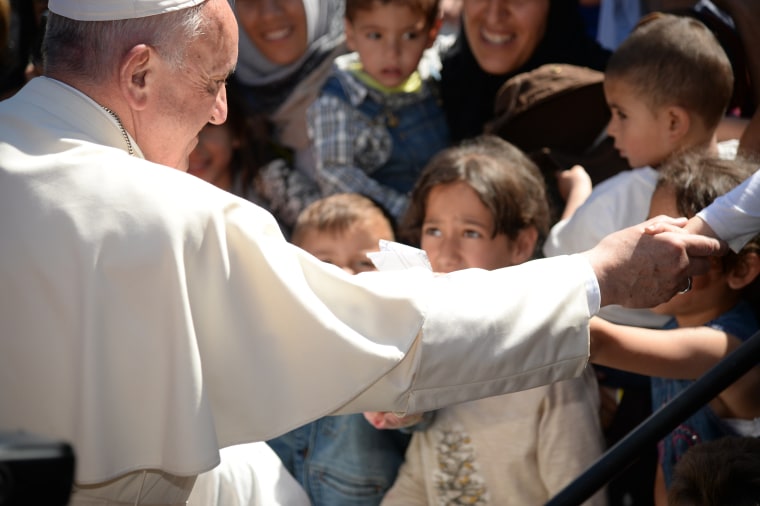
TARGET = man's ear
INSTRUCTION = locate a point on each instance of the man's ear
(745, 271)
(135, 75)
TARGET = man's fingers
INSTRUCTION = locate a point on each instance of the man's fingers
(655, 267)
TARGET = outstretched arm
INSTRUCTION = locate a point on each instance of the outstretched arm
(682, 353)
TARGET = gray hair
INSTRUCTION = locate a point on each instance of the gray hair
(86, 48)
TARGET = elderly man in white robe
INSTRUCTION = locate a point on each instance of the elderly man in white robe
(151, 319)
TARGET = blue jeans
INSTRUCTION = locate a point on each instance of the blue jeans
(342, 460)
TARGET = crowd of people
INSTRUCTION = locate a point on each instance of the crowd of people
(197, 192)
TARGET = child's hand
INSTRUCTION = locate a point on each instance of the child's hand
(387, 420)
(574, 185)
(575, 181)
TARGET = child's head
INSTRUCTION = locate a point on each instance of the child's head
(687, 184)
(341, 229)
(668, 85)
(233, 150)
(718, 472)
(479, 204)
(391, 36)
(211, 159)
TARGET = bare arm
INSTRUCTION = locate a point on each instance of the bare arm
(683, 353)
(574, 186)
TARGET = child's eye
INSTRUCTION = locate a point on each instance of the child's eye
(373, 36)
(431, 231)
(411, 35)
(472, 234)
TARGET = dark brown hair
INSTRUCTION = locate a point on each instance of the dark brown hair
(725, 471)
(507, 182)
(697, 179)
(428, 8)
(675, 60)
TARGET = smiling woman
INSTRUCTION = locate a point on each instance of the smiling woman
(286, 49)
(502, 38)
(286, 52)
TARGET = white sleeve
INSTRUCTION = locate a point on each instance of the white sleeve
(614, 204)
(735, 216)
(491, 332)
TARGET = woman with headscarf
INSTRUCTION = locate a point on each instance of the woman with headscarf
(502, 38)
(286, 50)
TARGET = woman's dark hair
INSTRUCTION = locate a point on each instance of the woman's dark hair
(468, 91)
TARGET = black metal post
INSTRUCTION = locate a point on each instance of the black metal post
(660, 423)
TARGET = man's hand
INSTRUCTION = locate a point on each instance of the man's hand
(636, 268)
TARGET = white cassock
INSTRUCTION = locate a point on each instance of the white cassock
(149, 318)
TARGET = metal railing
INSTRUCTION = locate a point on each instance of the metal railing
(660, 423)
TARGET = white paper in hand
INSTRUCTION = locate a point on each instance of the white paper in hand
(394, 256)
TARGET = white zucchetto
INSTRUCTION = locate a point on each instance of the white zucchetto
(111, 10)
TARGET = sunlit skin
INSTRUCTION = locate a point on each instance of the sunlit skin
(348, 249)
(171, 105)
(688, 351)
(277, 28)
(211, 158)
(457, 232)
(504, 34)
(390, 40)
(642, 134)
(710, 294)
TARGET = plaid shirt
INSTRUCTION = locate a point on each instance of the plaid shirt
(350, 146)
